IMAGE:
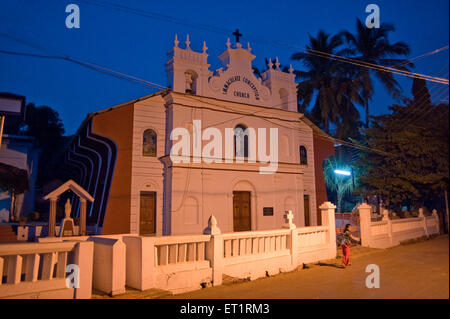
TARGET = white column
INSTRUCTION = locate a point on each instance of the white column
(82, 223)
(328, 211)
(84, 258)
(52, 217)
(389, 223)
(436, 217)
(214, 250)
(292, 239)
(424, 221)
(364, 223)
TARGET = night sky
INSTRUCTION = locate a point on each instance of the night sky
(138, 45)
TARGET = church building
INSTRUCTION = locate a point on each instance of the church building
(125, 157)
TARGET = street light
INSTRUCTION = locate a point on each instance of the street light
(342, 172)
(345, 173)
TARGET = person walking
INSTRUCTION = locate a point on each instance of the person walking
(347, 237)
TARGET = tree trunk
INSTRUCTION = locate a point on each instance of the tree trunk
(339, 201)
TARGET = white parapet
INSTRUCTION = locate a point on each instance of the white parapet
(38, 270)
(387, 233)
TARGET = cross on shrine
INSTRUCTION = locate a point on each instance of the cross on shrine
(289, 216)
(237, 34)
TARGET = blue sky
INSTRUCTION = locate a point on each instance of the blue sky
(138, 45)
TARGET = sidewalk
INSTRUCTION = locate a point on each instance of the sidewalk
(419, 270)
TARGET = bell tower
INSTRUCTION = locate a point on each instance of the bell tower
(187, 70)
(282, 86)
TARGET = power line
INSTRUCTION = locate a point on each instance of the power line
(410, 113)
(353, 61)
(128, 77)
(91, 66)
(422, 56)
(125, 76)
(379, 67)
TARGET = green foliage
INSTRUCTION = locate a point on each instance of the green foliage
(372, 45)
(44, 124)
(326, 84)
(13, 179)
(341, 185)
(334, 89)
(417, 138)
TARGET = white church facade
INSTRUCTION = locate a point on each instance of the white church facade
(122, 155)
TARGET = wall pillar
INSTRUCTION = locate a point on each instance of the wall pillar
(424, 221)
(52, 217)
(214, 250)
(438, 224)
(328, 211)
(386, 218)
(84, 259)
(364, 223)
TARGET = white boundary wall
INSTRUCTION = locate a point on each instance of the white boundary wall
(109, 263)
(38, 270)
(388, 233)
(184, 263)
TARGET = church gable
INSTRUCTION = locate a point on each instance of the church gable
(235, 81)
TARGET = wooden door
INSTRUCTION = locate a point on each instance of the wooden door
(306, 205)
(147, 213)
(241, 211)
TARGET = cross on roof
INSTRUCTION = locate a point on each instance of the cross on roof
(237, 35)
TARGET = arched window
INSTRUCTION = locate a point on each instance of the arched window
(149, 143)
(240, 141)
(303, 155)
(191, 82)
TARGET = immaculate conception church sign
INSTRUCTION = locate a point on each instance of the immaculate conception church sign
(238, 82)
(238, 93)
(235, 81)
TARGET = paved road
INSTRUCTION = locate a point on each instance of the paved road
(417, 270)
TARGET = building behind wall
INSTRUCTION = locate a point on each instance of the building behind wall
(121, 155)
(17, 150)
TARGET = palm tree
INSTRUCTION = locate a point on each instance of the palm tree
(372, 45)
(340, 184)
(348, 96)
(329, 81)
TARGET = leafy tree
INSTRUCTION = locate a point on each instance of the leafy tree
(329, 82)
(341, 185)
(44, 124)
(372, 45)
(416, 137)
(420, 92)
(14, 181)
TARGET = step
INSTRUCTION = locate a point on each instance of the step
(7, 234)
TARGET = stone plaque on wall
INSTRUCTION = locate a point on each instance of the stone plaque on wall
(268, 211)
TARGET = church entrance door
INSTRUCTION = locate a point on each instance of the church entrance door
(241, 211)
(147, 212)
